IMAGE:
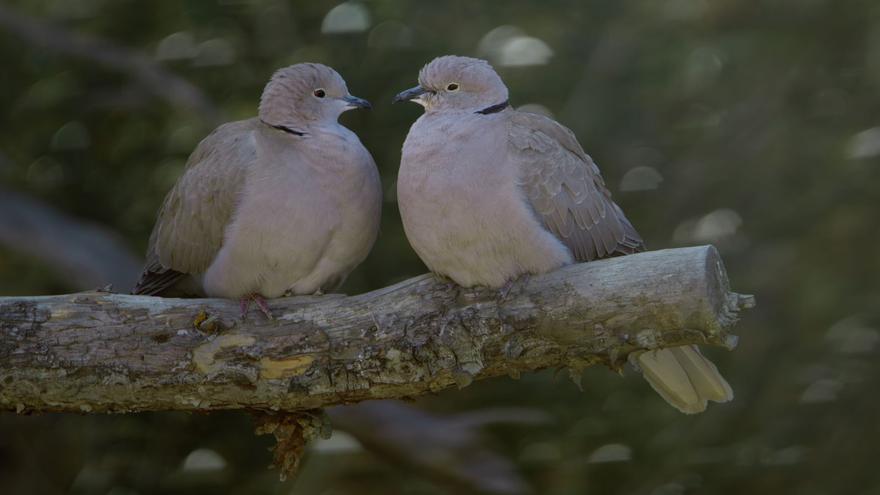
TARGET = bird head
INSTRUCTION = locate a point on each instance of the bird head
(453, 83)
(306, 93)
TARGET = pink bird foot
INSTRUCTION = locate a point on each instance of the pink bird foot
(245, 303)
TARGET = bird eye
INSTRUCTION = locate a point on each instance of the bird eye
(320, 93)
(452, 87)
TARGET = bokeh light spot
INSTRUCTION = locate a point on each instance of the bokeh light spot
(642, 178)
(348, 17)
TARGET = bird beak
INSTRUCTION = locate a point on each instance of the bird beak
(410, 94)
(355, 102)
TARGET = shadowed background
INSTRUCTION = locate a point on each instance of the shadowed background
(750, 125)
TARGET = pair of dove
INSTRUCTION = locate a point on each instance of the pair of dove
(289, 202)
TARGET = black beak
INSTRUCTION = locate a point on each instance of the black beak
(356, 102)
(410, 94)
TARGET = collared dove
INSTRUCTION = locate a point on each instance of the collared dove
(488, 194)
(287, 202)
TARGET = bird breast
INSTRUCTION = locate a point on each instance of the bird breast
(308, 215)
(461, 205)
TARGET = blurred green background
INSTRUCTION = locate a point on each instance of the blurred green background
(754, 126)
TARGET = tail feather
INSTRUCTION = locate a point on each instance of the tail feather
(684, 378)
(703, 374)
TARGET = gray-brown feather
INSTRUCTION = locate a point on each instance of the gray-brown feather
(566, 190)
(190, 225)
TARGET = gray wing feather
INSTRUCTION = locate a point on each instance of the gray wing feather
(566, 190)
(191, 223)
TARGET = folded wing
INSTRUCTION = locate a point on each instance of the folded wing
(190, 225)
(566, 190)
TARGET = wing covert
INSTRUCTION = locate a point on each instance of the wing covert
(191, 222)
(566, 190)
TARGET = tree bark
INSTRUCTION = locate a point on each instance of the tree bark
(101, 352)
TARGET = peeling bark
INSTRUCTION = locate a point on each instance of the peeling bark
(100, 352)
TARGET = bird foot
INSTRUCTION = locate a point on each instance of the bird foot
(507, 288)
(245, 304)
(443, 279)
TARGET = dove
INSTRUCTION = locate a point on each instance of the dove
(287, 202)
(488, 194)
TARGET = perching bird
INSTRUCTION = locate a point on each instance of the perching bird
(287, 202)
(488, 194)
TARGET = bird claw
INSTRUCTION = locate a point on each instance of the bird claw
(245, 304)
(507, 288)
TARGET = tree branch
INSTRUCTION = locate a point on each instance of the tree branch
(85, 254)
(152, 76)
(97, 352)
(447, 448)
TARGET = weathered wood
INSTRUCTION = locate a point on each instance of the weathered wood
(99, 352)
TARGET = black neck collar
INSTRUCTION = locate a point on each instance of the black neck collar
(495, 108)
(284, 128)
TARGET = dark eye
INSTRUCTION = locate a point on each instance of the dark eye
(320, 93)
(452, 87)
